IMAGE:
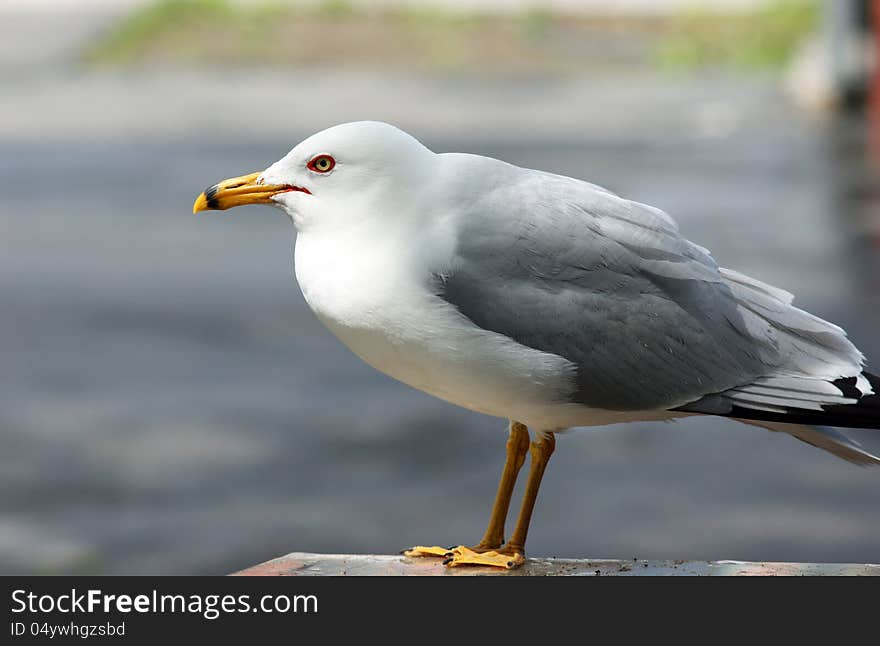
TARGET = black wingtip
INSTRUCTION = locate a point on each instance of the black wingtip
(865, 413)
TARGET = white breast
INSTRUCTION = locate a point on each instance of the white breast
(391, 320)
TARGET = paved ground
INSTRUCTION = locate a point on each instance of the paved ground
(300, 564)
(169, 405)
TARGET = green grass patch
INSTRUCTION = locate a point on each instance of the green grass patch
(428, 38)
(764, 39)
(182, 30)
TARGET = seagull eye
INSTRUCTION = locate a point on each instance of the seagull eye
(322, 164)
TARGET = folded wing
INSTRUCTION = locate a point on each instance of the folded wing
(648, 318)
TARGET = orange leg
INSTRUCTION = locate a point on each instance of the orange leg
(513, 554)
(517, 447)
(489, 550)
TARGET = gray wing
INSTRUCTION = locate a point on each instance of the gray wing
(647, 317)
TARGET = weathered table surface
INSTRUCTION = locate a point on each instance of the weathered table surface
(303, 564)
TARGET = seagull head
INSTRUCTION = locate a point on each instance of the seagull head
(334, 177)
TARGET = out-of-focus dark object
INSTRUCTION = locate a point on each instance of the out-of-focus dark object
(852, 27)
(874, 20)
(837, 69)
(873, 95)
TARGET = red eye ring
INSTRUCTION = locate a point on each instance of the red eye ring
(321, 164)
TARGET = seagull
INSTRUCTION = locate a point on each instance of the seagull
(544, 300)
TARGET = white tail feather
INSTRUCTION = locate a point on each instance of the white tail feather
(830, 440)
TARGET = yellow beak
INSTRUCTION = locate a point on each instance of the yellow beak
(238, 191)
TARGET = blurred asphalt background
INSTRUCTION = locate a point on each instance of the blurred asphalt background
(168, 404)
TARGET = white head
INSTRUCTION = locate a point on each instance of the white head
(338, 177)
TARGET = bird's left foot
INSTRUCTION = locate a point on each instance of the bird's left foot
(508, 557)
(422, 550)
